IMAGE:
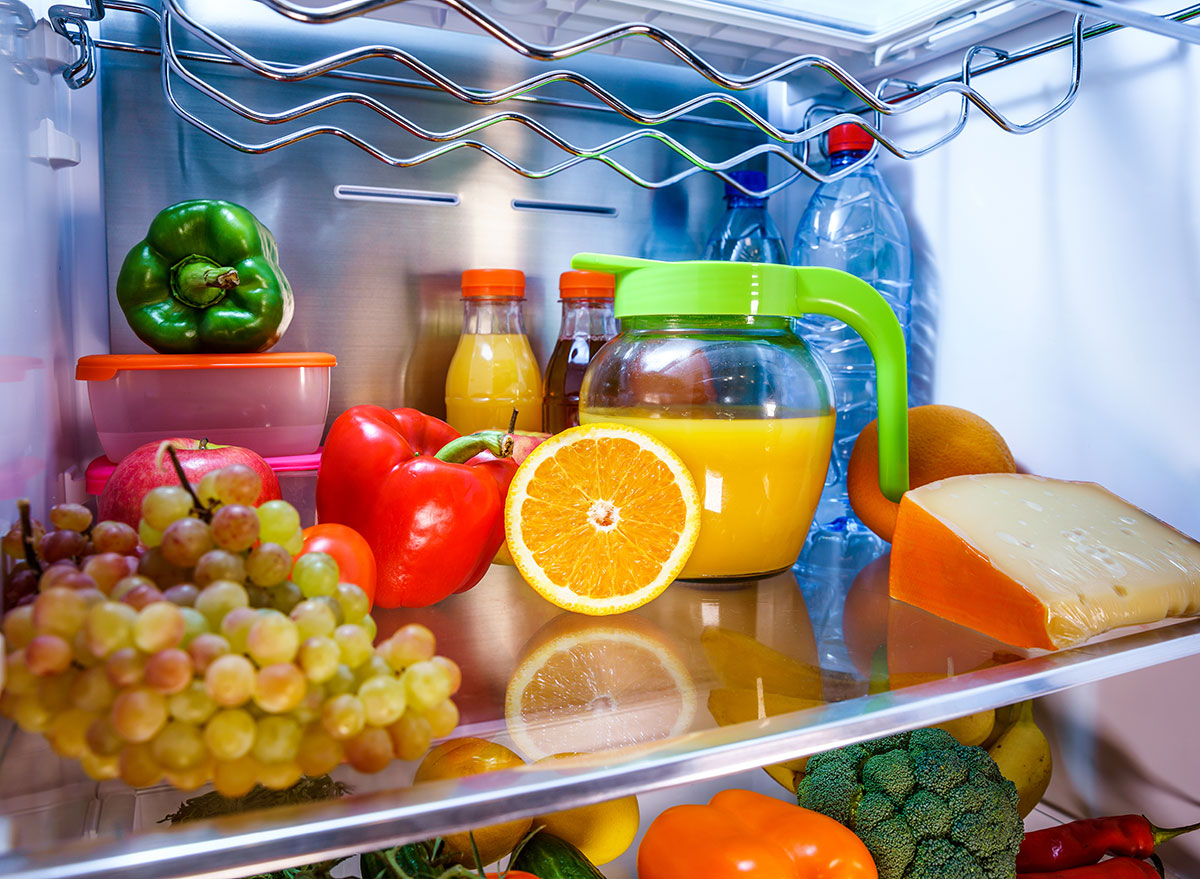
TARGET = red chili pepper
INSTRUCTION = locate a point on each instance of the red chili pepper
(432, 512)
(1087, 841)
(1114, 868)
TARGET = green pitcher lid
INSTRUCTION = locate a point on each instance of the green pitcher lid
(651, 287)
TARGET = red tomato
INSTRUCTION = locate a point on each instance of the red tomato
(349, 549)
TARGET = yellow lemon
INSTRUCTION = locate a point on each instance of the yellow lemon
(602, 831)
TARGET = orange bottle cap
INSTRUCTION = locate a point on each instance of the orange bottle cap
(586, 285)
(493, 284)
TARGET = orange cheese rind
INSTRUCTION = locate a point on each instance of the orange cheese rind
(1038, 562)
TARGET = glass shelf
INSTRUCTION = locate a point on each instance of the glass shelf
(635, 694)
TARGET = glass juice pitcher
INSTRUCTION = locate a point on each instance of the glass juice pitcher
(708, 362)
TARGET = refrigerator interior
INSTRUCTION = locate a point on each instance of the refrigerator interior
(1056, 294)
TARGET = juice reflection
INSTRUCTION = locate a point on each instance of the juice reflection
(759, 653)
(586, 684)
(770, 610)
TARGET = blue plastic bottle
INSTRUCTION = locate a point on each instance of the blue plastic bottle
(746, 232)
(853, 224)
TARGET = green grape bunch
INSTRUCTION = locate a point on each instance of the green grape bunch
(206, 647)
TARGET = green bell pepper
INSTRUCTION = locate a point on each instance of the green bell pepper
(206, 279)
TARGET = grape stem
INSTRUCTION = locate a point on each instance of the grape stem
(201, 511)
(31, 557)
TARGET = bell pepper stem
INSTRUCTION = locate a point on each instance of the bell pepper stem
(199, 282)
(224, 278)
(463, 449)
(1162, 834)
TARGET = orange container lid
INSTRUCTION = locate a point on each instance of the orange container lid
(104, 367)
(586, 285)
(493, 284)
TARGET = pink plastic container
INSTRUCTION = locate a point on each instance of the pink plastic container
(273, 404)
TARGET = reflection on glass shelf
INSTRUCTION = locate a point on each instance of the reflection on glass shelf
(703, 682)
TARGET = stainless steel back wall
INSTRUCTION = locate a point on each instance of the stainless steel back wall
(376, 282)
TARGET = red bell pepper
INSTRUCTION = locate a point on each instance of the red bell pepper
(428, 501)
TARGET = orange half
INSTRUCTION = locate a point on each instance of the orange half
(601, 518)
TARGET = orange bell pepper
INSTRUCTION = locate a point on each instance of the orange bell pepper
(748, 835)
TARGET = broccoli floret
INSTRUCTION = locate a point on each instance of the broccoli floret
(930, 739)
(873, 809)
(940, 857)
(928, 815)
(891, 773)
(925, 806)
(941, 770)
(839, 795)
(891, 844)
(882, 746)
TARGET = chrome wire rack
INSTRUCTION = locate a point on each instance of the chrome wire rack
(887, 98)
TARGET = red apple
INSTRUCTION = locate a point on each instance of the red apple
(121, 499)
(524, 442)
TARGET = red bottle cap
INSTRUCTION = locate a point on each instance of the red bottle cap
(493, 284)
(848, 137)
(586, 285)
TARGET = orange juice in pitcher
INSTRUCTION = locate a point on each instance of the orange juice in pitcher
(754, 504)
(708, 361)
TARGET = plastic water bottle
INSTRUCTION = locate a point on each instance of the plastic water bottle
(853, 224)
(746, 233)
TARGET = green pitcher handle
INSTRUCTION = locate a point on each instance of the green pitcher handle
(858, 304)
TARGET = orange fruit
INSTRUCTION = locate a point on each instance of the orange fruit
(597, 684)
(943, 441)
(472, 756)
(601, 518)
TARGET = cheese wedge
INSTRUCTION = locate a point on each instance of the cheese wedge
(1039, 562)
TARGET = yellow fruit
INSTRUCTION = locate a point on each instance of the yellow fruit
(1023, 755)
(739, 661)
(602, 831)
(943, 441)
(601, 518)
(973, 729)
(730, 706)
(503, 556)
(471, 756)
(1006, 716)
(607, 683)
(785, 776)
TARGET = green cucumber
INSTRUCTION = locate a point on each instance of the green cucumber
(549, 857)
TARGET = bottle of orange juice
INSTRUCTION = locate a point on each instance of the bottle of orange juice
(493, 370)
